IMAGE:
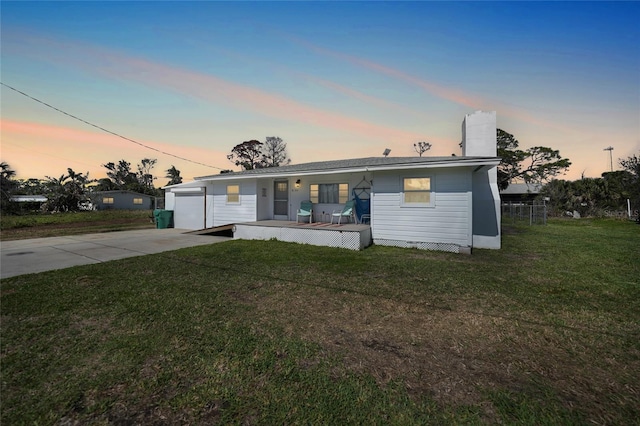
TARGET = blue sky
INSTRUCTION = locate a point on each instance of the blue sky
(333, 79)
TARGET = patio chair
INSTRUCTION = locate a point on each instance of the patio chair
(305, 210)
(347, 211)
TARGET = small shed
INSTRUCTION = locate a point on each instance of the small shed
(122, 200)
(520, 192)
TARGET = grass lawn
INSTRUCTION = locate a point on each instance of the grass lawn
(73, 223)
(544, 331)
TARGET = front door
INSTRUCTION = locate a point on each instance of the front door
(281, 200)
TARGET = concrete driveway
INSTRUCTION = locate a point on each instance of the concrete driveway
(45, 254)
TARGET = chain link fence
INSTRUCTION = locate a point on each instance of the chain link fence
(531, 213)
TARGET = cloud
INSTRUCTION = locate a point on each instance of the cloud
(459, 97)
(36, 147)
(244, 97)
(117, 65)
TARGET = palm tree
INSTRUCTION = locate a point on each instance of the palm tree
(67, 193)
(7, 185)
(6, 171)
(174, 175)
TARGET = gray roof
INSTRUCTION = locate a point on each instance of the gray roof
(522, 188)
(121, 191)
(373, 163)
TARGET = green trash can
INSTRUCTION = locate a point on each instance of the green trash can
(163, 218)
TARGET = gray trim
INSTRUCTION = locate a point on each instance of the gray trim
(358, 164)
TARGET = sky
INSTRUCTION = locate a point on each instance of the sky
(184, 82)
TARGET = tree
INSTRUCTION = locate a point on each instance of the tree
(106, 184)
(247, 155)
(631, 165)
(274, 152)
(510, 155)
(534, 165)
(254, 154)
(603, 196)
(145, 178)
(67, 193)
(421, 147)
(6, 172)
(31, 186)
(120, 174)
(618, 186)
(560, 196)
(174, 175)
(7, 186)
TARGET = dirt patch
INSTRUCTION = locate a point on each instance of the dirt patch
(452, 356)
(57, 229)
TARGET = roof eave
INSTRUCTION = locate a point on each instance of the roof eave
(460, 162)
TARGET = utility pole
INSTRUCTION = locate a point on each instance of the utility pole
(610, 149)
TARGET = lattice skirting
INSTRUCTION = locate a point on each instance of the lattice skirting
(352, 240)
(448, 247)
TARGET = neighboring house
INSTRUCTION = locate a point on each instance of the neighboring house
(443, 203)
(520, 192)
(122, 200)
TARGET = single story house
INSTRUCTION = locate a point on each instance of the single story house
(441, 203)
(122, 200)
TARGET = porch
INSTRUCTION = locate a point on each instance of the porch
(350, 236)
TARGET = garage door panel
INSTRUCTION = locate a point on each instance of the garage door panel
(188, 212)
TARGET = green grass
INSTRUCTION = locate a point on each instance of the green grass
(544, 331)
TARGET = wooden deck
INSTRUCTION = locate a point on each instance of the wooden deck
(350, 236)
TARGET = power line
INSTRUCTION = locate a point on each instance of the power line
(105, 130)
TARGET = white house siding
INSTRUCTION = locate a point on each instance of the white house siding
(169, 200)
(245, 211)
(209, 206)
(445, 226)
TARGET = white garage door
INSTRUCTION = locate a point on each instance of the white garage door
(188, 212)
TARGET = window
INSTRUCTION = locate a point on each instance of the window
(233, 194)
(417, 191)
(329, 193)
(107, 200)
(137, 201)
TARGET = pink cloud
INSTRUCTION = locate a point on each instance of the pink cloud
(214, 89)
(35, 149)
(443, 92)
(118, 65)
(361, 96)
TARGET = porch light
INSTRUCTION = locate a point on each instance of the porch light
(298, 183)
